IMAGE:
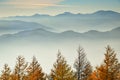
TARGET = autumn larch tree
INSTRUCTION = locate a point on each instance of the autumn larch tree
(110, 69)
(82, 65)
(5, 73)
(19, 71)
(61, 70)
(34, 71)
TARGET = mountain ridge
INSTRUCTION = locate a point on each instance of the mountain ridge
(13, 26)
(99, 20)
(99, 12)
(48, 35)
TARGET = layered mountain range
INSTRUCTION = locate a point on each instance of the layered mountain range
(100, 20)
(42, 35)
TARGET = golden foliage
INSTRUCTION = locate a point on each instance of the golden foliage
(34, 71)
(108, 70)
(61, 70)
(5, 73)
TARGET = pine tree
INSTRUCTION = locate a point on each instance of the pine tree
(110, 69)
(5, 73)
(19, 71)
(82, 65)
(61, 70)
(35, 71)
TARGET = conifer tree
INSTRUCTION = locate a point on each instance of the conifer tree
(110, 69)
(82, 65)
(19, 71)
(5, 73)
(61, 70)
(34, 71)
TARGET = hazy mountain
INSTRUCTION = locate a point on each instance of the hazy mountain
(112, 34)
(100, 13)
(65, 14)
(32, 16)
(107, 13)
(100, 20)
(13, 26)
(42, 35)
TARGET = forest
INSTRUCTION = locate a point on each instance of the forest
(109, 69)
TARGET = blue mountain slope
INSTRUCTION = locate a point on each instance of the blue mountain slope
(43, 35)
(100, 20)
(8, 26)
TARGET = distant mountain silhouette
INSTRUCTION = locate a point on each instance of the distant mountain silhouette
(99, 20)
(40, 15)
(66, 14)
(106, 13)
(16, 25)
(44, 35)
(100, 13)
(116, 29)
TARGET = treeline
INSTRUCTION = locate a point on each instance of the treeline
(108, 70)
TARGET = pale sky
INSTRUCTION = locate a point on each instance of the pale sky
(53, 7)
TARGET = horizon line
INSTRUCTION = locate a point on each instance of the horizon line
(58, 13)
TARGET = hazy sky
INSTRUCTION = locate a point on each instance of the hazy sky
(52, 7)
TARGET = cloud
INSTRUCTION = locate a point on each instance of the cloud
(31, 3)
